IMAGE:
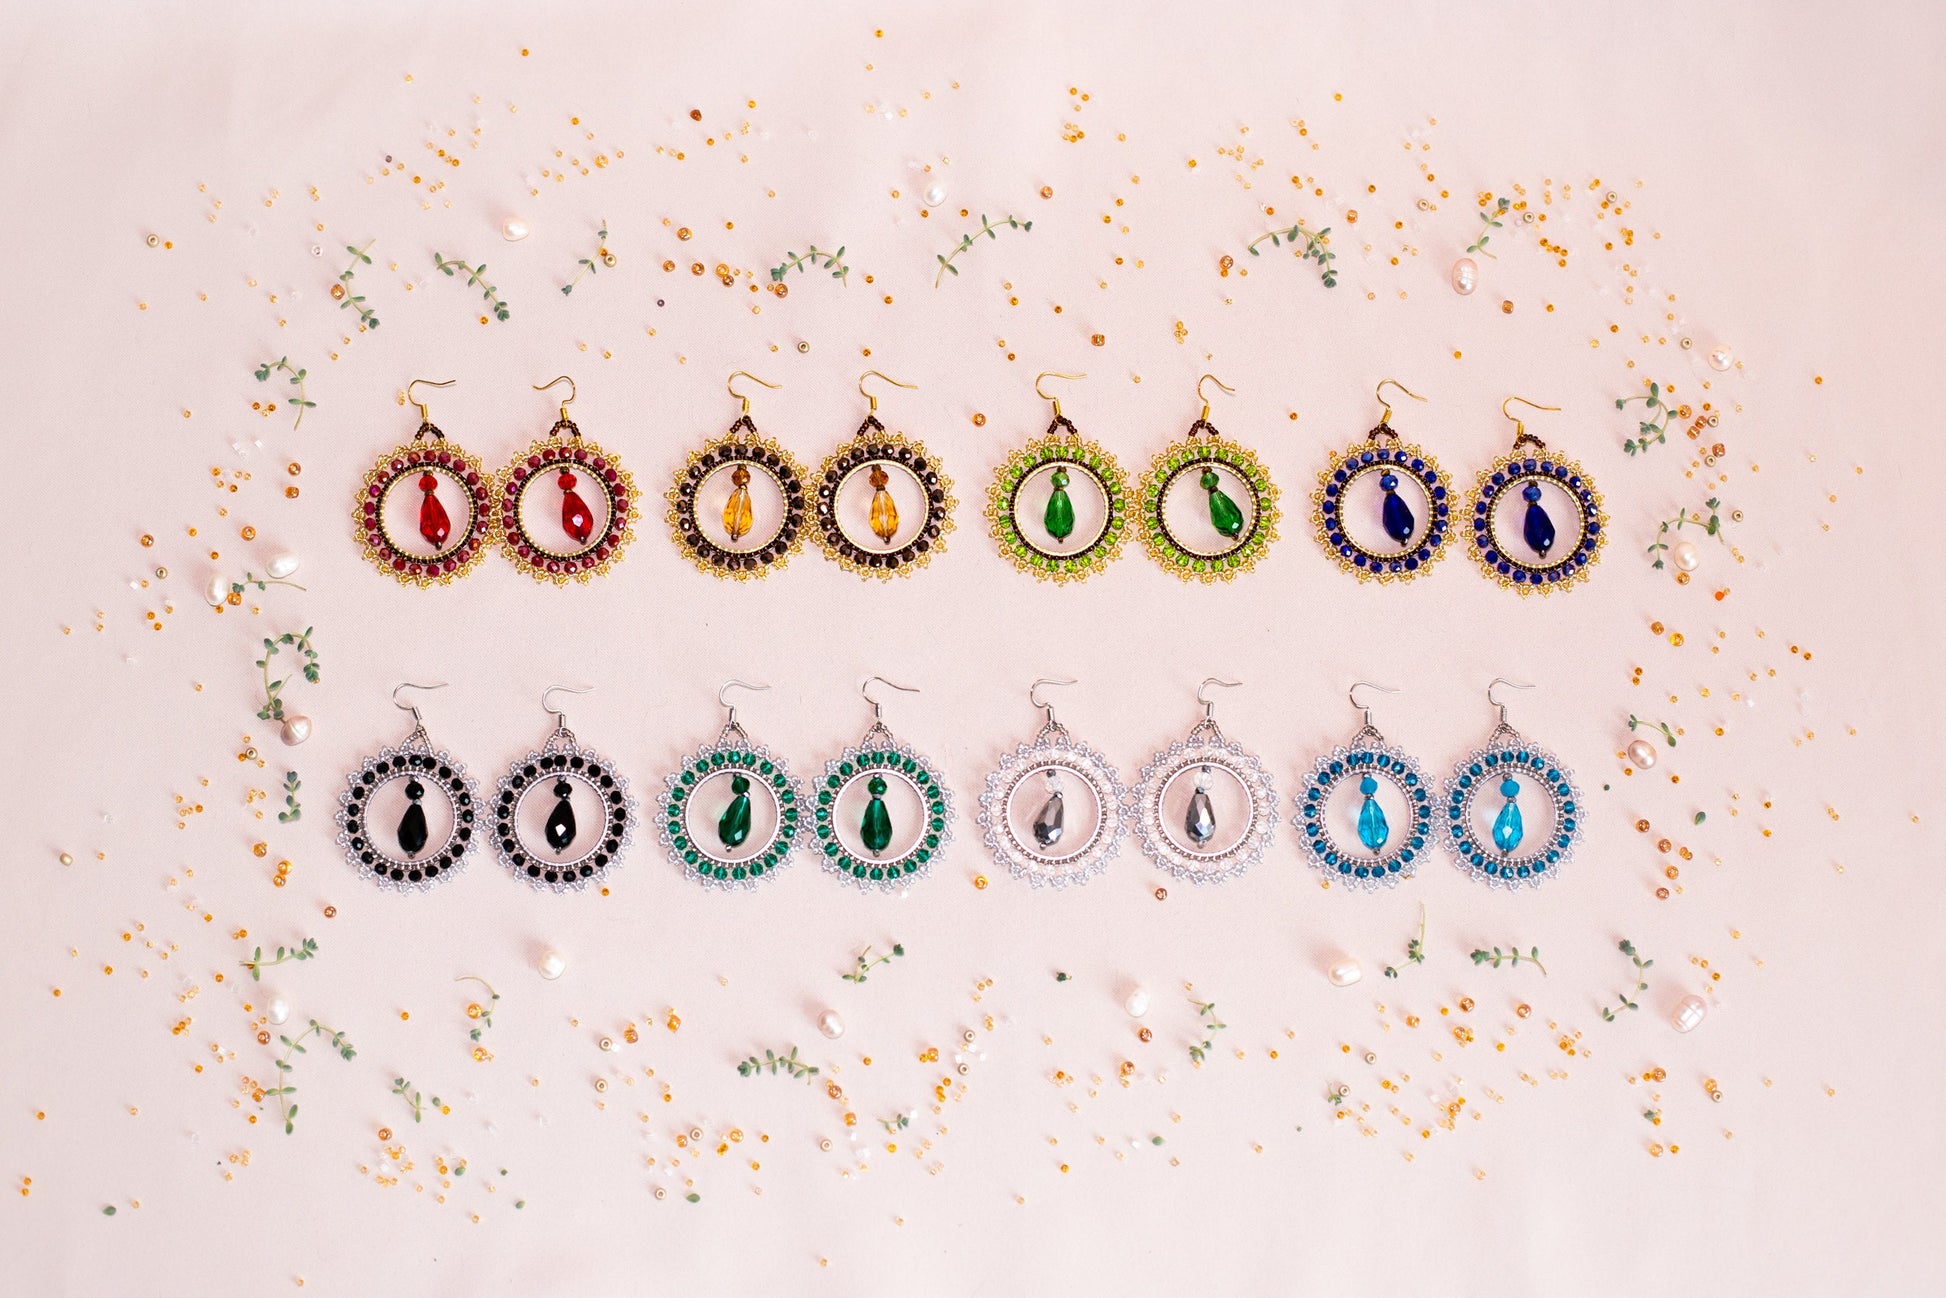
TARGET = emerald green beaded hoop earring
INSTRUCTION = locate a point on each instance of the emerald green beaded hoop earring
(1226, 532)
(1058, 507)
(882, 813)
(731, 812)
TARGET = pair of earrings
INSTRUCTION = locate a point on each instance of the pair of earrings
(740, 506)
(573, 536)
(1059, 507)
(1510, 525)
(560, 818)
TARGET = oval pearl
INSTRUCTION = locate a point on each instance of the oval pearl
(831, 1025)
(513, 229)
(217, 590)
(1642, 753)
(552, 965)
(1466, 276)
(281, 565)
(1344, 973)
(1684, 555)
(278, 1010)
(1689, 1013)
(1137, 1003)
(935, 195)
(296, 730)
(1721, 358)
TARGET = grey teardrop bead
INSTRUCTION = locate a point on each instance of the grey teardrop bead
(1200, 822)
(1051, 820)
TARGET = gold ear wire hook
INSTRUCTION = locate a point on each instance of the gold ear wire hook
(1210, 378)
(573, 392)
(1352, 694)
(745, 374)
(560, 716)
(878, 709)
(1520, 429)
(417, 718)
(1052, 374)
(1034, 693)
(1499, 681)
(730, 708)
(888, 378)
(1379, 392)
(1209, 705)
(425, 418)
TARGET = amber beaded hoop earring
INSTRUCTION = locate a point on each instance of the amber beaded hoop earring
(751, 532)
(428, 548)
(595, 521)
(903, 539)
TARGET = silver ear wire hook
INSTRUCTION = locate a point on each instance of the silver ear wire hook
(1207, 726)
(560, 716)
(731, 728)
(1050, 726)
(878, 709)
(418, 717)
(1352, 694)
(1499, 681)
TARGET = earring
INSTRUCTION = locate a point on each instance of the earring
(731, 841)
(1383, 857)
(587, 538)
(1530, 557)
(1214, 537)
(1035, 840)
(857, 784)
(1509, 764)
(1358, 499)
(1191, 827)
(395, 853)
(726, 540)
(856, 483)
(412, 537)
(1040, 527)
(553, 778)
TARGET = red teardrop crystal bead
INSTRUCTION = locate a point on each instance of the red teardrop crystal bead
(433, 523)
(576, 518)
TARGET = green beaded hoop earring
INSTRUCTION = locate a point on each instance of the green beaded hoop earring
(1226, 538)
(1033, 515)
(711, 827)
(882, 813)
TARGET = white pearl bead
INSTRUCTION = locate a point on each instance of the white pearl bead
(1344, 973)
(1721, 358)
(1137, 1003)
(1466, 276)
(1642, 753)
(935, 195)
(296, 730)
(278, 1010)
(1684, 555)
(552, 965)
(282, 565)
(1689, 1013)
(513, 229)
(831, 1025)
(217, 590)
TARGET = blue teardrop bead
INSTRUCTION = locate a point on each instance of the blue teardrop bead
(1372, 829)
(1537, 527)
(1398, 518)
(1507, 829)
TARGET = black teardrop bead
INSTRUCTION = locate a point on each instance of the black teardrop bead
(412, 829)
(560, 825)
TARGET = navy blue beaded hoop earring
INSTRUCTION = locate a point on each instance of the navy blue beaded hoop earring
(1386, 853)
(1398, 530)
(1537, 487)
(1515, 850)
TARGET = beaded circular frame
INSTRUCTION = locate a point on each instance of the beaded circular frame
(564, 449)
(408, 460)
(869, 445)
(1061, 445)
(1367, 754)
(742, 444)
(1054, 750)
(1192, 456)
(1205, 746)
(731, 754)
(561, 757)
(415, 758)
(1507, 753)
(1376, 456)
(880, 754)
(1510, 471)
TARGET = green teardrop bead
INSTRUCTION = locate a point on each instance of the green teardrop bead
(734, 825)
(1224, 515)
(1059, 518)
(875, 828)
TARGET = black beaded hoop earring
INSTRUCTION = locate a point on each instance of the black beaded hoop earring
(727, 541)
(906, 541)
(565, 771)
(404, 857)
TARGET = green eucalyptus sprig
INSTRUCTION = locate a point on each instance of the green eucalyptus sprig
(295, 1046)
(1211, 1025)
(367, 318)
(866, 963)
(1637, 723)
(1627, 1001)
(1654, 430)
(1314, 248)
(831, 261)
(261, 583)
(1712, 526)
(1415, 948)
(283, 364)
(404, 1090)
(273, 708)
(989, 228)
(292, 811)
(1513, 957)
(474, 277)
(774, 1063)
(1489, 222)
(587, 264)
(1336, 1098)
(256, 964)
(895, 1125)
(485, 1016)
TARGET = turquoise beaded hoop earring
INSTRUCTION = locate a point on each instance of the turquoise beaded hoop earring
(1535, 558)
(712, 828)
(567, 773)
(863, 837)
(1386, 853)
(1513, 853)
(1188, 826)
(1391, 542)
